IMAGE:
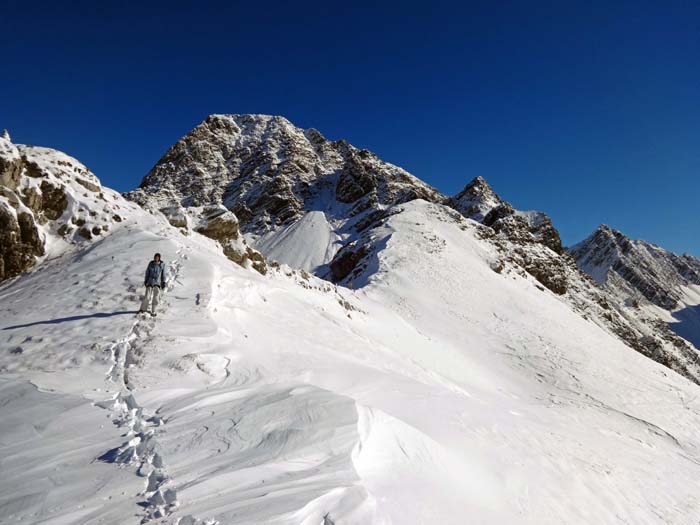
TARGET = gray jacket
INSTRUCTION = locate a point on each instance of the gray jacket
(155, 274)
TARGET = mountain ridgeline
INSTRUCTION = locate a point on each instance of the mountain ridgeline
(269, 192)
(635, 267)
(295, 191)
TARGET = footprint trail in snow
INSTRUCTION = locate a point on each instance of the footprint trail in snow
(141, 446)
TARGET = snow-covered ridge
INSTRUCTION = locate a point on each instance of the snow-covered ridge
(319, 205)
(645, 275)
(441, 389)
(653, 272)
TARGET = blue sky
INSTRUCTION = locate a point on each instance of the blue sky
(589, 111)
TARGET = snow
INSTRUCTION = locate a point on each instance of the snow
(440, 392)
(307, 243)
(8, 150)
(533, 218)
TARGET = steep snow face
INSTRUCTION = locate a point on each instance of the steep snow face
(307, 244)
(439, 392)
(647, 275)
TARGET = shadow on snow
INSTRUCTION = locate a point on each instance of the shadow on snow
(73, 318)
(687, 324)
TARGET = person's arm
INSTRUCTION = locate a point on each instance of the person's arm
(145, 279)
(162, 277)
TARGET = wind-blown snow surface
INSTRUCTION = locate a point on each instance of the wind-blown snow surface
(441, 392)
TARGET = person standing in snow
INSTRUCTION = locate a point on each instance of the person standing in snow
(154, 283)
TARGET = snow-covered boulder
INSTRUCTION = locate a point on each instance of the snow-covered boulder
(218, 223)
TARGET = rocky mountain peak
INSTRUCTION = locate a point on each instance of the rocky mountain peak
(635, 267)
(476, 200)
(270, 173)
(5, 135)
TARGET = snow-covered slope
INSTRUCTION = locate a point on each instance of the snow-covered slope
(441, 392)
(460, 372)
(313, 204)
(645, 276)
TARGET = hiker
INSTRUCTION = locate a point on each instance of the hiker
(154, 283)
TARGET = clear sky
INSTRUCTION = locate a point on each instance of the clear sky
(589, 111)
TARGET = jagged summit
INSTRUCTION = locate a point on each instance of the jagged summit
(636, 267)
(270, 173)
(476, 200)
(5, 135)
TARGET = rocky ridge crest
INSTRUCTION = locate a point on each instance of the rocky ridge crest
(635, 268)
(46, 194)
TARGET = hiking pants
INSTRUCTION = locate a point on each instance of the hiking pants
(151, 299)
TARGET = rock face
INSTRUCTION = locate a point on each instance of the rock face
(45, 193)
(270, 173)
(20, 243)
(636, 268)
(645, 278)
(520, 235)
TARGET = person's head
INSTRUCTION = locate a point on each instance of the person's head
(156, 257)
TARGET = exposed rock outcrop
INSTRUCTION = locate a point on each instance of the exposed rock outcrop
(44, 193)
(20, 242)
(521, 235)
